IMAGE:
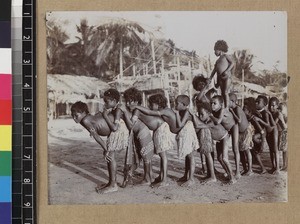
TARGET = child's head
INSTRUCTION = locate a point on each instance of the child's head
(249, 106)
(273, 104)
(204, 111)
(111, 98)
(261, 102)
(79, 110)
(233, 100)
(157, 102)
(199, 82)
(133, 97)
(182, 102)
(220, 46)
(216, 103)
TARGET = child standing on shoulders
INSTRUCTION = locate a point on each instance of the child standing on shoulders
(223, 68)
(187, 141)
(246, 132)
(221, 115)
(282, 129)
(265, 118)
(97, 126)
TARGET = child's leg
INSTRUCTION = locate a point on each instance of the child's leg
(258, 158)
(220, 156)
(190, 157)
(210, 169)
(249, 158)
(163, 171)
(243, 161)
(203, 162)
(275, 149)
(226, 160)
(186, 170)
(147, 173)
(112, 172)
(285, 160)
(225, 85)
(235, 149)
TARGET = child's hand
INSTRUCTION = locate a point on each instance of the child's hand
(105, 113)
(132, 107)
(225, 75)
(92, 132)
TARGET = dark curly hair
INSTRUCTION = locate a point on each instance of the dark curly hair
(196, 80)
(133, 94)
(203, 105)
(112, 94)
(264, 98)
(183, 99)
(158, 99)
(221, 45)
(79, 107)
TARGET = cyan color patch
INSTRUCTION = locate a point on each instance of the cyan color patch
(5, 186)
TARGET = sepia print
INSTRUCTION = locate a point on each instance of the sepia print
(167, 107)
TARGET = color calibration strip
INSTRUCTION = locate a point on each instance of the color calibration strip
(5, 113)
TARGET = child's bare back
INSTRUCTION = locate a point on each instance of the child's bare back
(98, 122)
(152, 122)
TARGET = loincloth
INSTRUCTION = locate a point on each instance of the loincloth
(283, 145)
(118, 140)
(162, 138)
(245, 138)
(205, 141)
(187, 140)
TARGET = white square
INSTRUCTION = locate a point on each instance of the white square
(5, 61)
(17, 2)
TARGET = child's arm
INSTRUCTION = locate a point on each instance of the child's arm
(236, 116)
(147, 111)
(198, 124)
(254, 119)
(202, 93)
(217, 120)
(127, 118)
(212, 75)
(181, 122)
(281, 121)
(266, 121)
(113, 125)
(230, 62)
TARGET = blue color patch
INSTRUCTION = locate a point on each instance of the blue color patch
(5, 189)
(5, 213)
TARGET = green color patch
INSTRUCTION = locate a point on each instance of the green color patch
(5, 163)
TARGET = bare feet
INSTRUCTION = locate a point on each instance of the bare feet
(126, 182)
(284, 168)
(108, 189)
(210, 180)
(145, 182)
(99, 187)
(275, 172)
(230, 182)
(182, 179)
(188, 183)
(249, 173)
(237, 176)
(160, 184)
(263, 171)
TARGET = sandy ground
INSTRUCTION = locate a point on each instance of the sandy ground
(76, 166)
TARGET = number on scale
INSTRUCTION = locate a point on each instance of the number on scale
(27, 157)
(26, 180)
(26, 61)
(27, 204)
(26, 108)
(26, 85)
(26, 37)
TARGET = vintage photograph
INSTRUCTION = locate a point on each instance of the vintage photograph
(167, 107)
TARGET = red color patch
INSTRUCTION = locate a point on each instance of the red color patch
(5, 112)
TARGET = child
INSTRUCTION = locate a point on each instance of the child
(246, 132)
(218, 134)
(97, 126)
(259, 139)
(205, 137)
(140, 140)
(265, 118)
(223, 69)
(222, 116)
(187, 138)
(282, 129)
(204, 94)
(162, 142)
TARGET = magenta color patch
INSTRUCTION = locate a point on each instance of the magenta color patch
(5, 87)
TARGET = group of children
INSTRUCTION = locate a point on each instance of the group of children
(143, 131)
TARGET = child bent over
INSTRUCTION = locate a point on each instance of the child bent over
(97, 126)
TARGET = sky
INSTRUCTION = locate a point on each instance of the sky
(263, 33)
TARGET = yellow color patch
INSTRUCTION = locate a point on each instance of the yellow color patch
(5, 137)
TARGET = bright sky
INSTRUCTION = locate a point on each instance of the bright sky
(263, 33)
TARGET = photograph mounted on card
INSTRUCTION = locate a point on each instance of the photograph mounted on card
(166, 107)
